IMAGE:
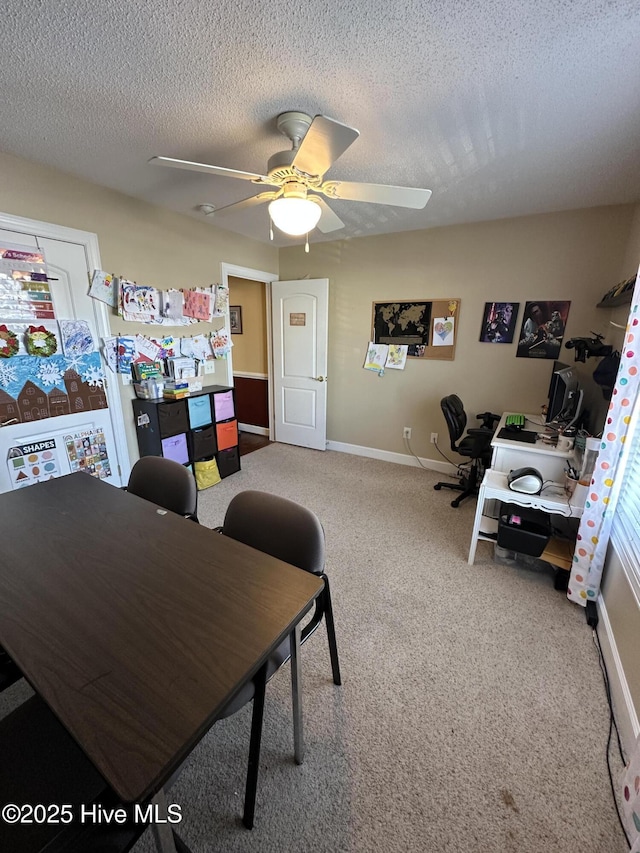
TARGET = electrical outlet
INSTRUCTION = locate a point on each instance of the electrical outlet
(406, 432)
(434, 438)
(209, 365)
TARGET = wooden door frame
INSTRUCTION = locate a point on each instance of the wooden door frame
(265, 278)
(89, 241)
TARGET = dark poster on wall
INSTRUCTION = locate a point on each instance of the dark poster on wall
(499, 322)
(542, 329)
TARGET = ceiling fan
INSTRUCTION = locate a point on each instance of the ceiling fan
(298, 175)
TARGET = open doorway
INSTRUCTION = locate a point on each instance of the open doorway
(250, 368)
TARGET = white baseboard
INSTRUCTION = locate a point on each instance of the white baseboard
(389, 456)
(624, 710)
(256, 430)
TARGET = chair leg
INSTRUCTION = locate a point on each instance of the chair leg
(296, 696)
(331, 631)
(260, 682)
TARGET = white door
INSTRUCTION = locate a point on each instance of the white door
(84, 429)
(299, 317)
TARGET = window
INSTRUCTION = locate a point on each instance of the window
(626, 521)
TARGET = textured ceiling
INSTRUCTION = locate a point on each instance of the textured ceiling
(502, 107)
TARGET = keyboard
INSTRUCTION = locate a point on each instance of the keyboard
(515, 421)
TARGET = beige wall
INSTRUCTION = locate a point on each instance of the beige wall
(250, 348)
(140, 241)
(573, 255)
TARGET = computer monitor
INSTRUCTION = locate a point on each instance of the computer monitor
(565, 396)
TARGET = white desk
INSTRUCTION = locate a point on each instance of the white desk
(509, 453)
(494, 487)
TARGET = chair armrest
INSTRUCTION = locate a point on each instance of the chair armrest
(489, 419)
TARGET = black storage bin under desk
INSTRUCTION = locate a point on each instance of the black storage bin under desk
(523, 529)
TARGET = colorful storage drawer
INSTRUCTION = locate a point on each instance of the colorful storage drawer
(228, 461)
(173, 418)
(203, 442)
(175, 447)
(223, 405)
(227, 434)
(199, 411)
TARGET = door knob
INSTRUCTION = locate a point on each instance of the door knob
(321, 378)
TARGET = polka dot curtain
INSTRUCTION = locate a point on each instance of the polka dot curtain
(595, 525)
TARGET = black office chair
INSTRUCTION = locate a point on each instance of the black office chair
(476, 446)
(166, 483)
(291, 533)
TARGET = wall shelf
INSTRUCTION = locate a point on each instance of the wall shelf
(619, 295)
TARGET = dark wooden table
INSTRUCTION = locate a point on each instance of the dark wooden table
(134, 625)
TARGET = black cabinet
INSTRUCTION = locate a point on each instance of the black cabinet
(201, 426)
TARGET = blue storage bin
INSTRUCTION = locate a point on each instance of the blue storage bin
(199, 411)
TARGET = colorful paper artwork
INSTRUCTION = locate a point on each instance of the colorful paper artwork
(397, 356)
(126, 353)
(40, 341)
(197, 304)
(139, 303)
(221, 343)
(222, 300)
(443, 331)
(110, 352)
(33, 463)
(173, 304)
(9, 344)
(38, 388)
(104, 287)
(146, 349)
(199, 346)
(87, 451)
(376, 357)
(76, 337)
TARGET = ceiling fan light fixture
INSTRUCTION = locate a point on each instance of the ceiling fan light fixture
(295, 216)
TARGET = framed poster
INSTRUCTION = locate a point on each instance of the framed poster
(542, 331)
(499, 322)
(235, 319)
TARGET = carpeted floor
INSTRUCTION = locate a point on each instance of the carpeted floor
(472, 716)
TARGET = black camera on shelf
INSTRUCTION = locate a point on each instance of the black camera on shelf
(587, 347)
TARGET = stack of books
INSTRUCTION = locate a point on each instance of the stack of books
(175, 389)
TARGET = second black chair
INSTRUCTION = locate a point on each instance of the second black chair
(293, 534)
(475, 445)
(166, 483)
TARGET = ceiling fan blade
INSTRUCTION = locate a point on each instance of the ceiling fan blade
(325, 141)
(329, 221)
(377, 193)
(247, 202)
(207, 169)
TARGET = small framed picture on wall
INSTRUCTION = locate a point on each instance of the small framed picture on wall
(235, 319)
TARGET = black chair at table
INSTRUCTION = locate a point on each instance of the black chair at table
(475, 445)
(293, 534)
(166, 483)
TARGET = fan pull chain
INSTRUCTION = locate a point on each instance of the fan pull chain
(306, 245)
(270, 230)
